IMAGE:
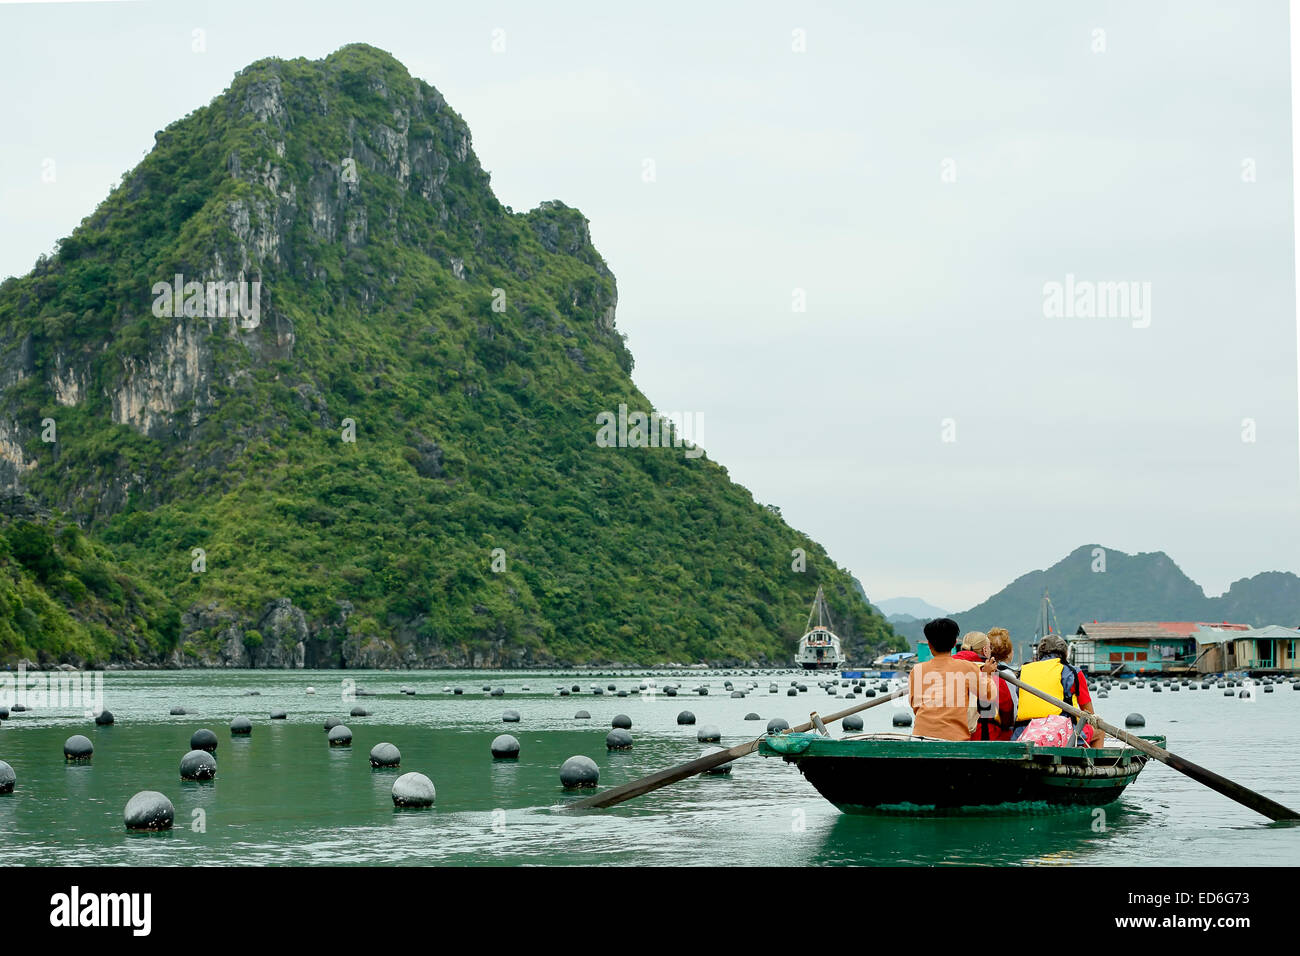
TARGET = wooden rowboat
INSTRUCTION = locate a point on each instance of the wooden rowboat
(897, 773)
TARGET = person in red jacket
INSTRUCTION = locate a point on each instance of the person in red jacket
(999, 727)
(974, 648)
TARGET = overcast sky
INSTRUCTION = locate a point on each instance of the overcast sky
(920, 170)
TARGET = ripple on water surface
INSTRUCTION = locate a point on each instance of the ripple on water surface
(283, 796)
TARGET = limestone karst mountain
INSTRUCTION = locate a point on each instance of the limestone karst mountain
(315, 397)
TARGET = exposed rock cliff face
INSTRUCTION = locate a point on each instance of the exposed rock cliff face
(176, 375)
(282, 638)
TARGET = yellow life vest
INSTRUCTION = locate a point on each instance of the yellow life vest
(1046, 676)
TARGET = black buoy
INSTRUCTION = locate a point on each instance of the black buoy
(868, 693)
(505, 747)
(385, 755)
(618, 739)
(359, 712)
(78, 747)
(149, 810)
(708, 734)
(241, 727)
(722, 770)
(579, 772)
(7, 778)
(1229, 693)
(4, 713)
(177, 711)
(776, 725)
(458, 690)
(792, 693)
(279, 715)
(582, 715)
(622, 721)
(510, 717)
(752, 716)
(685, 717)
(203, 740)
(853, 722)
(104, 718)
(1135, 720)
(332, 722)
(413, 790)
(498, 692)
(340, 736)
(903, 719)
(198, 765)
(702, 691)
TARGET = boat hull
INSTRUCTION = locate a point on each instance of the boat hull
(894, 774)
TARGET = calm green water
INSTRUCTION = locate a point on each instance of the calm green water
(283, 796)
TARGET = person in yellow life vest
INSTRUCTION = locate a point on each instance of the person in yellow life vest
(1053, 673)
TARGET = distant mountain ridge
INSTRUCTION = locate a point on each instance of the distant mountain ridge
(910, 607)
(1097, 583)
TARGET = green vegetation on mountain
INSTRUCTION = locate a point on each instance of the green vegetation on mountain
(332, 486)
(1093, 583)
(62, 596)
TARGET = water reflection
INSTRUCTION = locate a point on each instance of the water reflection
(1054, 837)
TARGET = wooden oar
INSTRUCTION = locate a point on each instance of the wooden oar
(1234, 791)
(663, 778)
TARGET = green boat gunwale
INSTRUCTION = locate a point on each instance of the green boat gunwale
(897, 746)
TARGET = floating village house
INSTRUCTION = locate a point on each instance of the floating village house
(1271, 649)
(1185, 647)
(1156, 647)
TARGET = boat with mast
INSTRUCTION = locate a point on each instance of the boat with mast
(1044, 625)
(819, 648)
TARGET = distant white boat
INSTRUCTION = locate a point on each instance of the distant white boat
(819, 648)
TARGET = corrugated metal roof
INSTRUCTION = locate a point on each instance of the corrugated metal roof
(1272, 631)
(1135, 631)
